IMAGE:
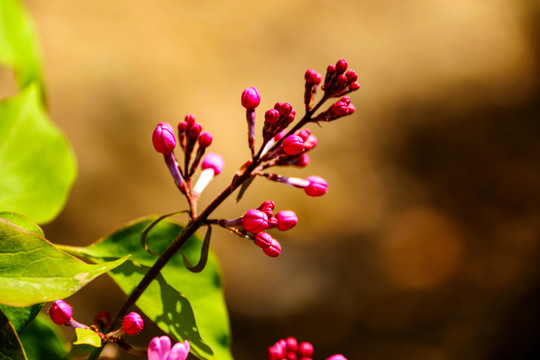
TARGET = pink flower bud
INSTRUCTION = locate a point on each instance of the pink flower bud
(213, 161)
(251, 98)
(293, 145)
(60, 312)
(354, 86)
(303, 133)
(351, 75)
(286, 219)
(342, 80)
(182, 127)
(292, 356)
(346, 99)
(271, 116)
(317, 186)
(284, 108)
(263, 240)
(163, 138)
(267, 207)
(305, 349)
(351, 109)
(276, 352)
(194, 130)
(272, 222)
(331, 68)
(337, 357)
(132, 323)
(255, 221)
(179, 351)
(312, 77)
(311, 142)
(341, 66)
(274, 249)
(190, 119)
(205, 139)
(301, 161)
(292, 344)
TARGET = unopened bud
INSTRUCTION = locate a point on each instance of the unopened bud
(267, 207)
(190, 119)
(263, 240)
(337, 357)
(132, 323)
(317, 186)
(312, 77)
(341, 66)
(286, 219)
(194, 130)
(303, 133)
(251, 98)
(311, 142)
(255, 221)
(351, 75)
(60, 312)
(305, 350)
(292, 344)
(163, 138)
(342, 80)
(293, 145)
(271, 116)
(355, 86)
(205, 139)
(213, 161)
(274, 249)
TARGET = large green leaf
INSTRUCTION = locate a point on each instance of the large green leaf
(10, 347)
(168, 308)
(20, 317)
(18, 45)
(37, 166)
(32, 270)
(43, 340)
(203, 290)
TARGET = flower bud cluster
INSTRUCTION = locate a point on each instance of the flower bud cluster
(338, 80)
(291, 349)
(255, 222)
(190, 134)
(337, 110)
(277, 119)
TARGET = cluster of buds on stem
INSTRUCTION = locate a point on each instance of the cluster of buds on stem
(290, 349)
(190, 134)
(254, 223)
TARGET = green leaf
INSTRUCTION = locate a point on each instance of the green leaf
(43, 340)
(32, 270)
(38, 166)
(22, 221)
(10, 348)
(168, 308)
(21, 317)
(203, 290)
(87, 337)
(18, 45)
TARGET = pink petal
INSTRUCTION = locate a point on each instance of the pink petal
(159, 348)
(180, 351)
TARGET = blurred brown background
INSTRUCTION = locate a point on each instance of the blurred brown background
(426, 246)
